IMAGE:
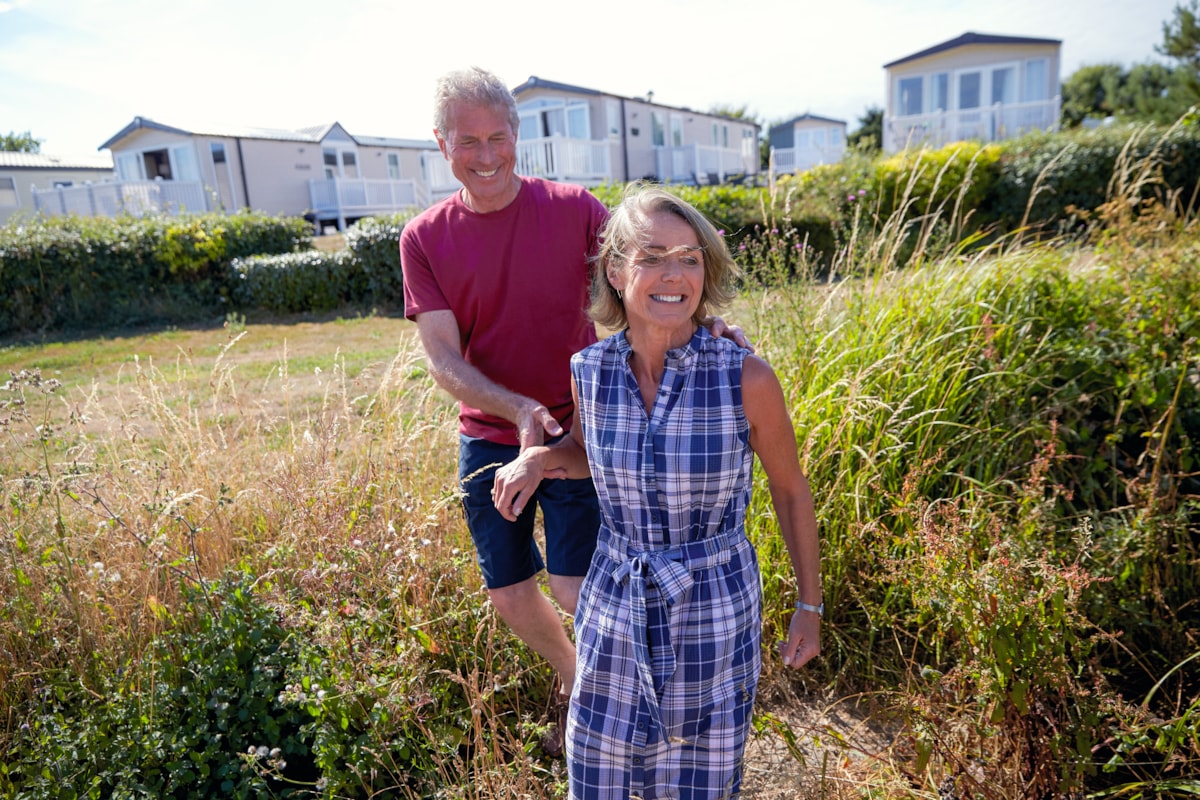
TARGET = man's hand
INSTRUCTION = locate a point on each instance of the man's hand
(534, 425)
(717, 327)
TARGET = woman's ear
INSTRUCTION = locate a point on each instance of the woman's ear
(616, 278)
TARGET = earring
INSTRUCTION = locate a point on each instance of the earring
(619, 297)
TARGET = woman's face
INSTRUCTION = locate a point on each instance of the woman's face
(662, 280)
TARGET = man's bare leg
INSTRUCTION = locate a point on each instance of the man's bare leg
(529, 613)
(566, 591)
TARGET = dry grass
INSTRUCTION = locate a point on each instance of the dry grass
(255, 432)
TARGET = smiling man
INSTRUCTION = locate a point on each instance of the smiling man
(496, 278)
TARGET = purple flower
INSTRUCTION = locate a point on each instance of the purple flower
(862, 192)
(851, 197)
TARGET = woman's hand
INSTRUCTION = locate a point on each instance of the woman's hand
(804, 639)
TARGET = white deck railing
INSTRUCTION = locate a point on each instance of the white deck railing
(988, 124)
(786, 160)
(123, 197)
(439, 177)
(342, 198)
(554, 158)
(687, 163)
(558, 158)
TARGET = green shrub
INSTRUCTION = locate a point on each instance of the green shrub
(83, 273)
(947, 182)
(297, 282)
(374, 245)
(199, 716)
(1072, 172)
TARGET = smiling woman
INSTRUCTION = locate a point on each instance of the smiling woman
(668, 422)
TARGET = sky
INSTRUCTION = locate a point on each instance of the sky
(73, 73)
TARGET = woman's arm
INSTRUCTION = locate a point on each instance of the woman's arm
(516, 481)
(774, 442)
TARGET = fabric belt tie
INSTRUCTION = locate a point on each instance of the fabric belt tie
(670, 571)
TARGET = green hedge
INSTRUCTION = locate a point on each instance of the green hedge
(80, 273)
(1076, 169)
(365, 273)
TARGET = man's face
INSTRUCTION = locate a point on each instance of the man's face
(481, 147)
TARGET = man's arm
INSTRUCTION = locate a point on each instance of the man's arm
(443, 348)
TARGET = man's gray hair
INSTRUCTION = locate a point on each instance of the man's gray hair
(476, 87)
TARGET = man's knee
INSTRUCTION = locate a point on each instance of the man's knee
(565, 589)
(515, 598)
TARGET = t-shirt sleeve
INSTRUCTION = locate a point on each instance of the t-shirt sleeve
(421, 290)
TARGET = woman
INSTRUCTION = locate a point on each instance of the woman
(668, 421)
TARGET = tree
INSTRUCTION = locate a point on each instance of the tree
(869, 134)
(1181, 42)
(1091, 91)
(735, 112)
(1154, 92)
(13, 142)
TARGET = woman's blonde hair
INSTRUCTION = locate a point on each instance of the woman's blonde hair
(626, 232)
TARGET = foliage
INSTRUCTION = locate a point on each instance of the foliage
(312, 281)
(946, 184)
(1001, 439)
(1181, 42)
(83, 273)
(868, 135)
(342, 634)
(968, 428)
(13, 142)
(374, 244)
(365, 273)
(1091, 91)
(191, 719)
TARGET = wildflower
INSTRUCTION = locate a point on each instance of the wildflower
(851, 197)
(862, 192)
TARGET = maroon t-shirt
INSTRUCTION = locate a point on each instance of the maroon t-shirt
(517, 281)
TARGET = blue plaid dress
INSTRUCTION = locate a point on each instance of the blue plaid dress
(669, 621)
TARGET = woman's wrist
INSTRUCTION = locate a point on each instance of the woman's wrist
(818, 609)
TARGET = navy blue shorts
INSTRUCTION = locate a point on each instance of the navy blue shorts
(506, 550)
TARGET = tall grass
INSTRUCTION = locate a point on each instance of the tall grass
(1001, 448)
(224, 579)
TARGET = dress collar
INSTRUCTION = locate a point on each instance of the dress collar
(677, 357)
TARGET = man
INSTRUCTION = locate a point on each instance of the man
(496, 278)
